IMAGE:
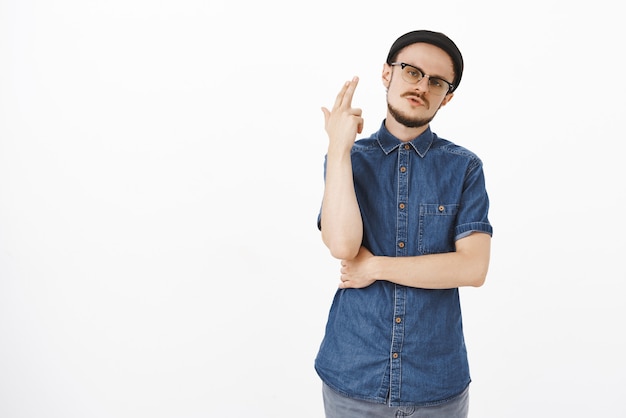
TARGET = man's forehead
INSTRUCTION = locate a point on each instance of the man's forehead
(425, 54)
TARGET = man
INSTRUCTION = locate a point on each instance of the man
(406, 213)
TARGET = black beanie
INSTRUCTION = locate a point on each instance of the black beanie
(434, 38)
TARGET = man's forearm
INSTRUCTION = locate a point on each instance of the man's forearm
(342, 226)
(467, 266)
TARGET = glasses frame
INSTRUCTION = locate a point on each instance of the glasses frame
(403, 65)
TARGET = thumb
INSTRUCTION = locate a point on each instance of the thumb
(326, 114)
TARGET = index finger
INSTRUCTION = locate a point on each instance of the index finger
(344, 98)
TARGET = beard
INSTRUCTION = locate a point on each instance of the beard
(408, 121)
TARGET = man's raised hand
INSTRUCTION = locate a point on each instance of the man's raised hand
(344, 122)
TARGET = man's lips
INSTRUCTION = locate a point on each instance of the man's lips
(414, 99)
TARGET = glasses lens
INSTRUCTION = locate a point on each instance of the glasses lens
(437, 85)
(411, 74)
(414, 75)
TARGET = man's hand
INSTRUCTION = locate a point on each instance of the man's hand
(344, 122)
(357, 273)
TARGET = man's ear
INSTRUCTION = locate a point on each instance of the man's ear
(386, 76)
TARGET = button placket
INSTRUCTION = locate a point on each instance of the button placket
(401, 199)
(397, 341)
(402, 216)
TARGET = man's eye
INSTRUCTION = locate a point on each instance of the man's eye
(435, 82)
(414, 73)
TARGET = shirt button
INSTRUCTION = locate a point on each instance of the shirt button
(401, 205)
(406, 146)
(401, 244)
(441, 208)
(394, 355)
(398, 320)
(402, 169)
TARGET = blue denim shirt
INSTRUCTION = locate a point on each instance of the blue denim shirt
(389, 343)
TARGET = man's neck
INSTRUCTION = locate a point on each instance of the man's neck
(402, 132)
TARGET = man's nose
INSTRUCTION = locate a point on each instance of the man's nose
(423, 84)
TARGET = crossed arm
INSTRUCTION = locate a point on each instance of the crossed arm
(467, 266)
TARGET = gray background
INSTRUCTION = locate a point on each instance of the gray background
(161, 173)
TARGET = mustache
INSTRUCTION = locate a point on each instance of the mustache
(417, 96)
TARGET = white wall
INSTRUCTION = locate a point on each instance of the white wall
(161, 172)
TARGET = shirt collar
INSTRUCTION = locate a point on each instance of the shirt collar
(421, 144)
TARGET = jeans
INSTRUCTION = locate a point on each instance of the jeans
(338, 406)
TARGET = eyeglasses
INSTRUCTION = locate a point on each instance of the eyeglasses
(414, 75)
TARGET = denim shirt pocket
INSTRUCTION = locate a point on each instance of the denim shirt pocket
(436, 227)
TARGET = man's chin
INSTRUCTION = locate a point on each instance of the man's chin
(409, 122)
